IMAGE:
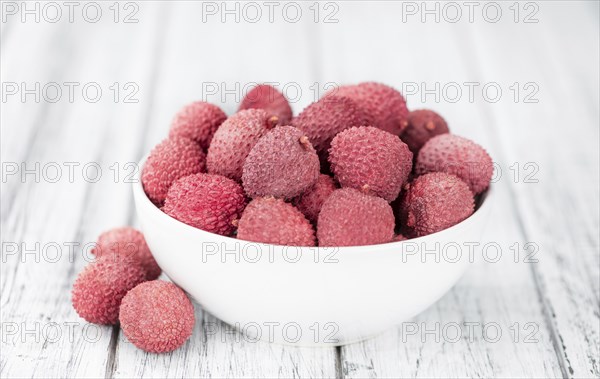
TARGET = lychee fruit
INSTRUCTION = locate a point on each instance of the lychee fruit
(209, 202)
(170, 160)
(198, 121)
(271, 220)
(385, 105)
(271, 100)
(234, 139)
(128, 242)
(433, 202)
(322, 120)
(282, 163)
(398, 238)
(352, 218)
(311, 201)
(423, 124)
(459, 156)
(371, 160)
(157, 316)
(100, 287)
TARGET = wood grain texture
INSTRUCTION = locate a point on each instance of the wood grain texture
(42, 334)
(560, 212)
(548, 313)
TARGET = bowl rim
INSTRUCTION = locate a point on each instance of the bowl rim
(140, 195)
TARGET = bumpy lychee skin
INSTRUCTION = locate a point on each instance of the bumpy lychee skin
(209, 202)
(197, 121)
(322, 120)
(423, 124)
(271, 220)
(170, 160)
(459, 156)
(398, 238)
(311, 201)
(234, 139)
(130, 243)
(385, 105)
(352, 218)
(283, 164)
(157, 316)
(271, 100)
(434, 202)
(371, 160)
(100, 287)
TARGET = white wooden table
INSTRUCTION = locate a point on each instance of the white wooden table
(532, 312)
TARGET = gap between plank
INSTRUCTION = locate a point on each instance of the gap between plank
(112, 351)
(339, 373)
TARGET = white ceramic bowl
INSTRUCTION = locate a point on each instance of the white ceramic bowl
(303, 295)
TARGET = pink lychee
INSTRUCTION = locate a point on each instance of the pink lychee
(282, 164)
(209, 202)
(198, 121)
(157, 316)
(371, 160)
(271, 100)
(271, 220)
(128, 242)
(459, 156)
(170, 160)
(352, 218)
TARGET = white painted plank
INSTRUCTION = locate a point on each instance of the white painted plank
(42, 336)
(217, 350)
(560, 134)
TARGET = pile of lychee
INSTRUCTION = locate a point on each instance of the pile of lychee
(121, 286)
(353, 168)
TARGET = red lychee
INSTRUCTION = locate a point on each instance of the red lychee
(434, 202)
(371, 160)
(234, 139)
(157, 316)
(170, 160)
(209, 202)
(197, 121)
(423, 124)
(322, 120)
(352, 218)
(130, 243)
(459, 156)
(385, 105)
(271, 220)
(271, 100)
(311, 201)
(282, 164)
(100, 287)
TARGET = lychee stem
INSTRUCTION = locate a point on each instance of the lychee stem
(429, 125)
(272, 122)
(235, 222)
(304, 142)
(366, 188)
